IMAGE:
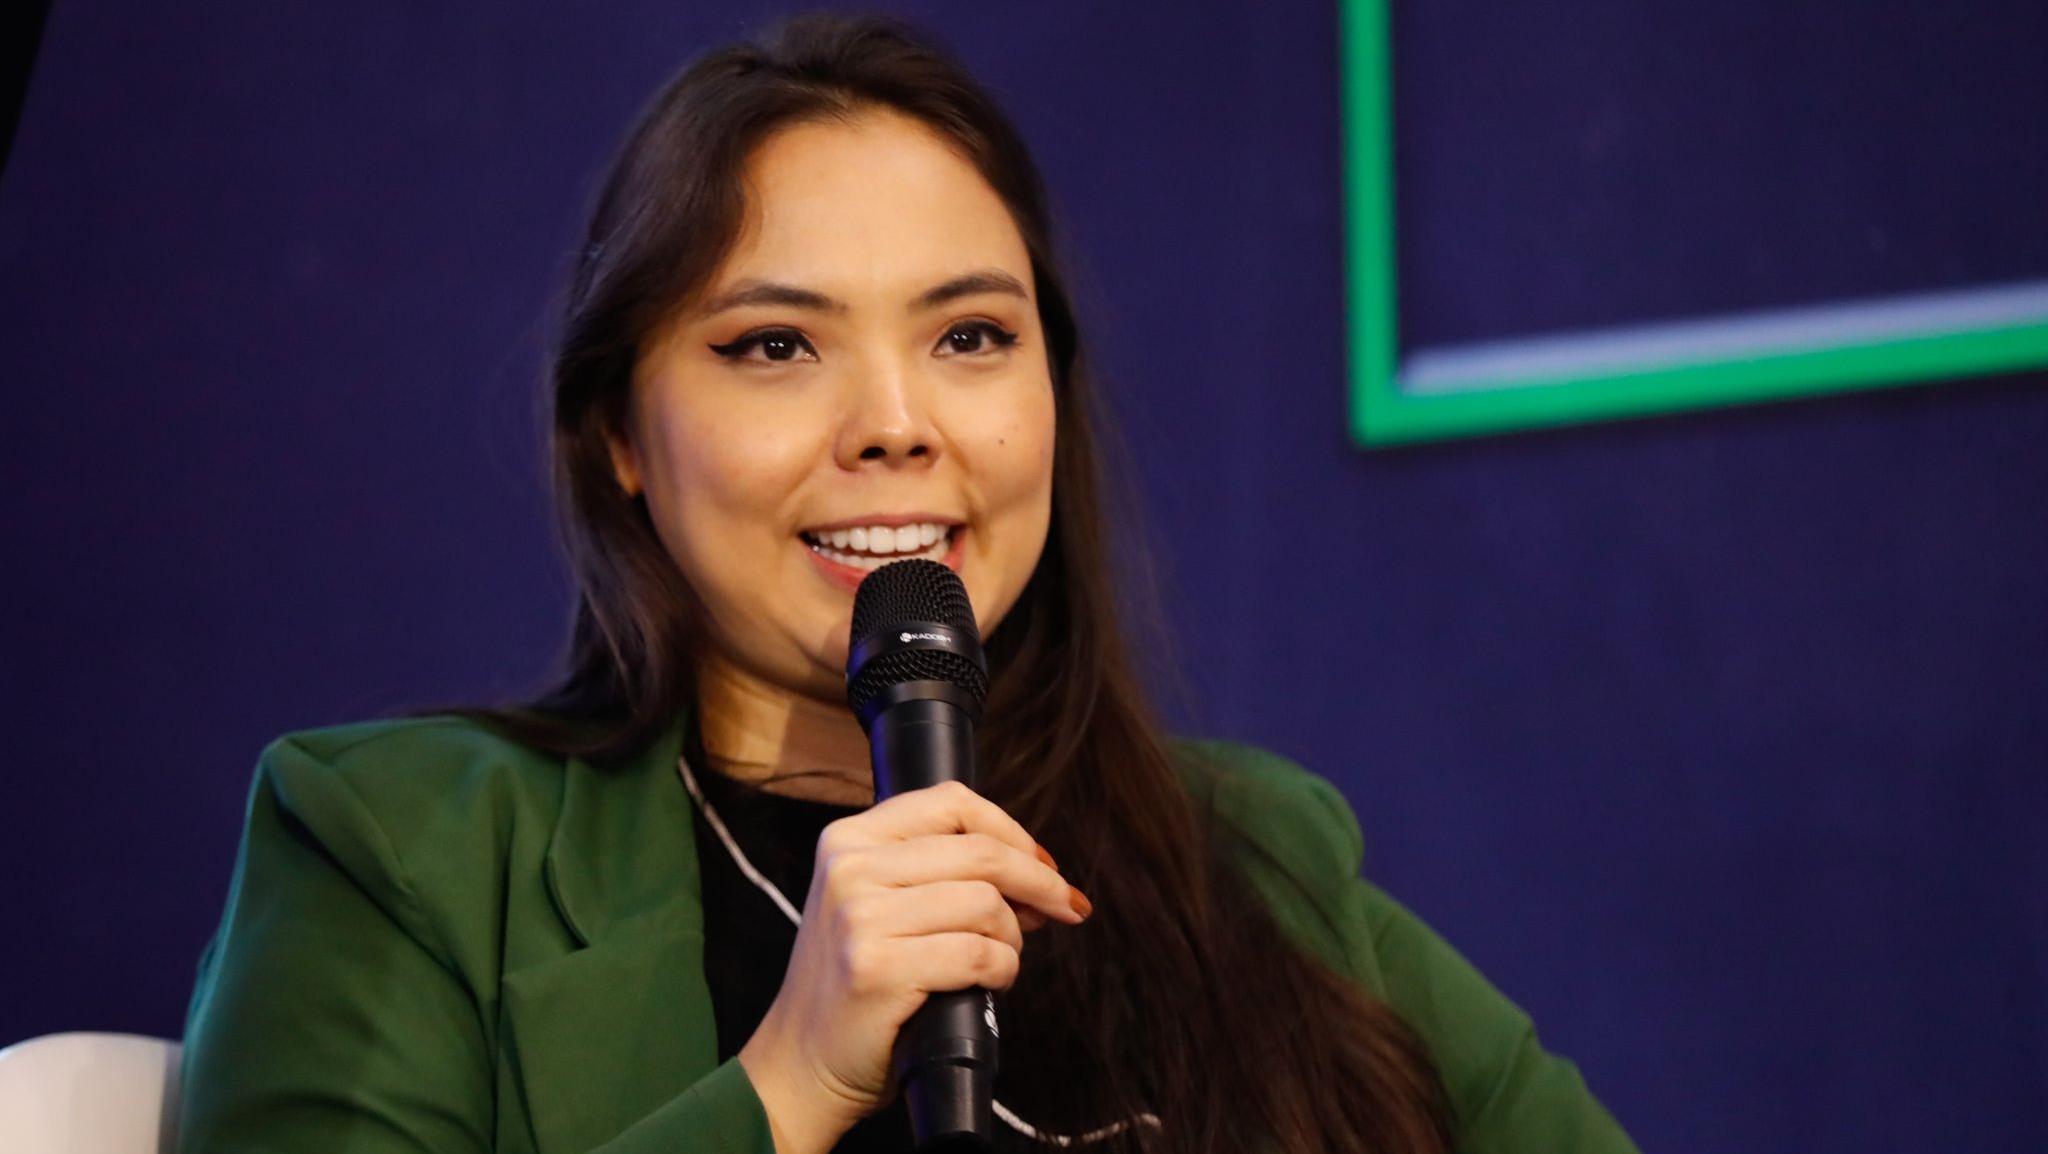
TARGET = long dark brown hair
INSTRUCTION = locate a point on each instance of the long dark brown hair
(1181, 996)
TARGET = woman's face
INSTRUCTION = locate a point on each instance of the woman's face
(864, 379)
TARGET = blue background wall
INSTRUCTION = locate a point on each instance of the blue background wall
(1717, 741)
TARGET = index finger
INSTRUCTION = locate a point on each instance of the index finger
(948, 807)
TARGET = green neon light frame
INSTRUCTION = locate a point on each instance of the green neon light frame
(1387, 409)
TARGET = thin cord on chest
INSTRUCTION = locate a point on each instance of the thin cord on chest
(761, 882)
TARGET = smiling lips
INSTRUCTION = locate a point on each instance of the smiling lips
(870, 547)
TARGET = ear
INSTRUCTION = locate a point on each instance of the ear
(625, 462)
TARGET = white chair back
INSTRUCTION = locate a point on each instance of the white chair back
(89, 1094)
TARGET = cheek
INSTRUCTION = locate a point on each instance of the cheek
(1031, 442)
(1022, 533)
(1017, 478)
(716, 480)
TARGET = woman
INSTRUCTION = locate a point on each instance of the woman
(816, 327)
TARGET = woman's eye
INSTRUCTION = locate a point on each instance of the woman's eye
(777, 345)
(971, 337)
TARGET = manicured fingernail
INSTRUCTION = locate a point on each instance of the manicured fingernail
(1046, 858)
(1080, 902)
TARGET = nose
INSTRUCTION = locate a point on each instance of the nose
(888, 423)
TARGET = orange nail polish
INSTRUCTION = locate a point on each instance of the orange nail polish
(1080, 902)
(1046, 858)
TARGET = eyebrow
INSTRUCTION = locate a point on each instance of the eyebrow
(988, 280)
(759, 292)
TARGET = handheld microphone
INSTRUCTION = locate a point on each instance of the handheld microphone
(916, 678)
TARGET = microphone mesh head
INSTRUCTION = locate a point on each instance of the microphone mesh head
(907, 592)
(916, 590)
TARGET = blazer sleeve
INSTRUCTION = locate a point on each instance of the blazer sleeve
(1508, 1094)
(331, 1016)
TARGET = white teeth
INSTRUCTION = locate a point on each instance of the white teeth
(876, 545)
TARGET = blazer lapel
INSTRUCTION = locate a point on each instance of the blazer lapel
(605, 1034)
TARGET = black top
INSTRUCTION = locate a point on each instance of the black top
(748, 941)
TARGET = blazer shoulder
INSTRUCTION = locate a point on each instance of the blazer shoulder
(428, 785)
(1291, 818)
(1293, 836)
(440, 734)
(414, 756)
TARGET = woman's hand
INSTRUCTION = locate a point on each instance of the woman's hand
(928, 891)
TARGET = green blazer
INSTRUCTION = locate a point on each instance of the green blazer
(439, 940)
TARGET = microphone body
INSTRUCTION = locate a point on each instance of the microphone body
(916, 678)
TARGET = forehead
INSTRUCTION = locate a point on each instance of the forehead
(877, 202)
